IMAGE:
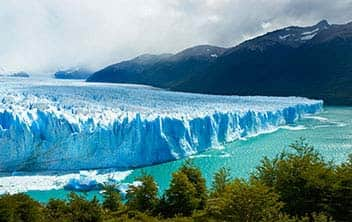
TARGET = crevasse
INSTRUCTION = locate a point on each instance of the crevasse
(66, 126)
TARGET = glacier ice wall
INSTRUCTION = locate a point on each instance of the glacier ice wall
(67, 125)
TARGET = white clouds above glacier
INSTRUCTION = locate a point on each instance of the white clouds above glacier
(42, 36)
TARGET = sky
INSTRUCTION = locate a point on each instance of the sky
(43, 36)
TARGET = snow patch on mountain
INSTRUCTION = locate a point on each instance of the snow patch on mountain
(311, 32)
(284, 36)
(308, 37)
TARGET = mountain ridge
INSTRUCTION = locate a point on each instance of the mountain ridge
(313, 61)
(73, 73)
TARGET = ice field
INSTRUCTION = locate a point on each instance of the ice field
(48, 124)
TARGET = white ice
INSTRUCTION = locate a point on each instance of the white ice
(67, 125)
(22, 183)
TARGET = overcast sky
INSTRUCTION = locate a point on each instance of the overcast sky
(42, 36)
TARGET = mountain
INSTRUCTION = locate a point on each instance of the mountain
(314, 61)
(127, 71)
(20, 74)
(15, 74)
(77, 73)
(159, 70)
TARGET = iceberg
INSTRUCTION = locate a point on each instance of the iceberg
(75, 181)
(62, 125)
(82, 184)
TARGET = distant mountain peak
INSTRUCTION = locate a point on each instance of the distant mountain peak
(150, 58)
(323, 24)
(292, 36)
(14, 74)
(206, 51)
(73, 73)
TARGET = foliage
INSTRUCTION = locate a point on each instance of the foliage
(19, 207)
(244, 201)
(112, 197)
(220, 181)
(187, 192)
(341, 198)
(143, 198)
(194, 175)
(302, 179)
(181, 197)
(57, 210)
(83, 210)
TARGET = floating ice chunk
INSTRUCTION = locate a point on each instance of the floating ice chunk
(22, 182)
(124, 187)
(84, 183)
(79, 185)
(294, 128)
(322, 119)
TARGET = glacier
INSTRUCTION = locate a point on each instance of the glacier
(48, 124)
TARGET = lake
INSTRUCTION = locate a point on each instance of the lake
(330, 132)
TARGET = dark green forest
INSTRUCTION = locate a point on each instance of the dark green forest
(298, 185)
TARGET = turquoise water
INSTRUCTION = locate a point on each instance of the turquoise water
(330, 132)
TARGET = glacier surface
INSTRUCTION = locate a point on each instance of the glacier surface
(63, 125)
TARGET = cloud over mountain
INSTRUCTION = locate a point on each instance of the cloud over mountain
(41, 36)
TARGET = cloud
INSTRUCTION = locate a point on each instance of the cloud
(43, 36)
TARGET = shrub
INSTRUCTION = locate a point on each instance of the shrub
(112, 197)
(19, 207)
(83, 210)
(187, 192)
(302, 179)
(143, 198)
(220, 181)
(341, 199)
(57, 210)
(244, 201)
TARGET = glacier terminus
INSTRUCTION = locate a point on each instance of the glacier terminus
(48, 124)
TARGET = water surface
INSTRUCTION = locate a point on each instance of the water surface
(330, 132)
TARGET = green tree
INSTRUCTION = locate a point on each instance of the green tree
(181, 197)
(302, 179)
(112, 198)
(220, 181)
(57, 210)
(19, 207)
(341, 201)
(194, 175)
(248, 202)
(83, 210)
(144, 197)
(187, 192)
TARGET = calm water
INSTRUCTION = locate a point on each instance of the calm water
(330, 132)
